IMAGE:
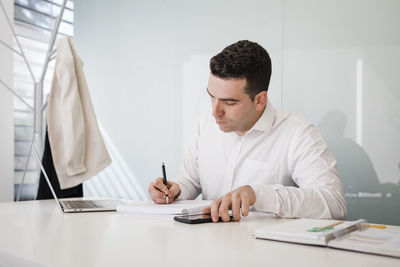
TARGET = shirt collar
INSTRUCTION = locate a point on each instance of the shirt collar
(265, 122)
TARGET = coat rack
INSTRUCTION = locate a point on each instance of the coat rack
(38, 105)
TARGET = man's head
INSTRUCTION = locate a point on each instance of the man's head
(238, 85)
(244, 59)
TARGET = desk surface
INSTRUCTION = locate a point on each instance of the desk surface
(37, 230)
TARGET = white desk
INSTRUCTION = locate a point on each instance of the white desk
(37, 230)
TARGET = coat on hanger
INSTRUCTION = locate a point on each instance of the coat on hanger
(76, 143)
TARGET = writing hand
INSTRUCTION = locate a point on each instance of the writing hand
(158, 191)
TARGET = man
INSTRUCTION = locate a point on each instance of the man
(249, 154)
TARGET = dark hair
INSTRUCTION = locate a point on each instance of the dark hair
(244, 59)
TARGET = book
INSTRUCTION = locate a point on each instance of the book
(348, 235)
(180, 207)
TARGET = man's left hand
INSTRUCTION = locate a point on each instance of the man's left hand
(239, 199)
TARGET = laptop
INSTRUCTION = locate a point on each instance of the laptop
(80, 205)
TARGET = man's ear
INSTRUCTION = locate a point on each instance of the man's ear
(260, 100)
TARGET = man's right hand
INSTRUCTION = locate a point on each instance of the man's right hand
(158, 191)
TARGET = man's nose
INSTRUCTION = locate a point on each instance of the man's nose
(218, 109)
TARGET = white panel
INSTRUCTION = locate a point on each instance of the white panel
(6, 107)
(341, 72)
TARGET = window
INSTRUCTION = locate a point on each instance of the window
(33, 23)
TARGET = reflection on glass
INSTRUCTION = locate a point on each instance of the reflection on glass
(366, 197)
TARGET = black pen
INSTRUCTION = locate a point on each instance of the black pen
(165, 180)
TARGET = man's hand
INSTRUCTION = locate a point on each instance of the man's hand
(158, 191)
(240, 198)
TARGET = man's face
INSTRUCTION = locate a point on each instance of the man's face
(233, 109)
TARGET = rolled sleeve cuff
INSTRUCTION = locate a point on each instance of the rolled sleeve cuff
(71, 171)
(265, 198)
(184, 193)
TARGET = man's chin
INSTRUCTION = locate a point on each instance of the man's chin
(224, 128)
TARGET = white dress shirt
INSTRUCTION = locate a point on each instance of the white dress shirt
(282, 157)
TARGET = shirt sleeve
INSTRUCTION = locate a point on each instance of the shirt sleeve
(72, 134)
(319, 193)
(188, 175)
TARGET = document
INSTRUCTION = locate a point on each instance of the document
(180, 207)
(348, 235)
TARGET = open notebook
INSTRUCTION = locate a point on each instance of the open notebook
(180, 207)
(348, 235)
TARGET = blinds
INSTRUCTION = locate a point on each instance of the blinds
(41, 14)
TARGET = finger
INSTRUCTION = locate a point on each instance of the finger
(245, 206)
(155, 191)
(173, 191)
(215, 209)
(160, 201)
(224, 207)
(236, 201)
(159, 185)
(250, 194)
(206, 210)
(156, 194)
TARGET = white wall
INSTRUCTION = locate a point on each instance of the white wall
(6, 108)
(349, 60)
(142, 58)
(335, 62)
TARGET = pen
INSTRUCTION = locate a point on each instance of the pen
(328, 226)
(378, 226)
(165, 180)
(323, 228)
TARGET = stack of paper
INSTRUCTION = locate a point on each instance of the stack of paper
(180, 207)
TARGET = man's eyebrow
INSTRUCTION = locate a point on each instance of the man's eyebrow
(223, 99)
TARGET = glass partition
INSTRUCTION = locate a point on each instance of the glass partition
(341, 72)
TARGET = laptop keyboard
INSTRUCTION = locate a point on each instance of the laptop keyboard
(80, 204)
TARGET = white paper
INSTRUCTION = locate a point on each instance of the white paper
(180, 207)
(371, 240)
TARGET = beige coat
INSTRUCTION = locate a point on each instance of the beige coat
(76, 143)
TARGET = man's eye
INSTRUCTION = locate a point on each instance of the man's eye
(230, 103)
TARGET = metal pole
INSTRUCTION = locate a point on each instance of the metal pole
(11, 48)
(45, 103)
(14, 93)
(37, 112)
(50, 50)
(26, 167)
